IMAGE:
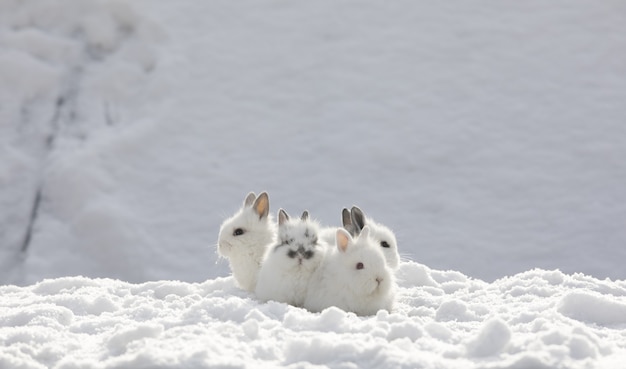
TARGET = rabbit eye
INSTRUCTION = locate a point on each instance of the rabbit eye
(360, 265)
(384, 244)
(238, 232)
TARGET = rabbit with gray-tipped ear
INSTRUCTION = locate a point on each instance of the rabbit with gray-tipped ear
(288, 265)
(381, 234)
(354, 277)
(244, 237)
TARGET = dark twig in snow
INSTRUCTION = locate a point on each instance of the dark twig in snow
(31, 222)
(50, 140)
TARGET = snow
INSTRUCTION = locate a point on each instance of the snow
(488, 136)
(600, 310)
(535, 319)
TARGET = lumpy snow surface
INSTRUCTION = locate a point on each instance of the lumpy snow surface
(442, 319)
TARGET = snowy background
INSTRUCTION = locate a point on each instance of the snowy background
(489, 136)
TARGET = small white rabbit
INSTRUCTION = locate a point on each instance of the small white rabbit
(245, 236)
(287, 267)
(353, 277)
(379, 233)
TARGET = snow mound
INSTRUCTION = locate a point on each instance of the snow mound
(538, 319)
(594, 308)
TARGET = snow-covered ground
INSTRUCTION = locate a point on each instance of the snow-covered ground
(537, 319)
(489, 136)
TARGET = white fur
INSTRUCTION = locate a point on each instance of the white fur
(245, 252)
(338, 282)
(327, 234)
(379, 233)
(286, 279)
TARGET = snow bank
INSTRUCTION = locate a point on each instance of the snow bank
(539, 319)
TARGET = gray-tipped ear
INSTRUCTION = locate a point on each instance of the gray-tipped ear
(283, 217)
(346, 220)
(305, 215)
(262, 205)
(249, 199)
(365, 232)
(358, 219)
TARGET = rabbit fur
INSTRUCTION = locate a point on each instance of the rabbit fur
(244, 237)
(327, 234)
(288, 265)
(381, 234)
(354, 277)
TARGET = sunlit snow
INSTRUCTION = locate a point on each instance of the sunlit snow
(488, 136)
(536, 319)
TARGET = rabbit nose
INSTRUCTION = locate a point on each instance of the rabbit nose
(300, 253)
(379, 280)
(306, 254)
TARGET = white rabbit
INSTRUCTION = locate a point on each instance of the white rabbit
(287, 267)
(245, 236)
(354, 277)
(379, 233)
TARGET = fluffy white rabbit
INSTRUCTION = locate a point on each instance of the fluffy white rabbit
(245, 236)
(354, 277)
(379, 233)
(287, 267)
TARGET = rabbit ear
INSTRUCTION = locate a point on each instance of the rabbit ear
(262, 205)
(365, 232)
(283, 217)
(346, 218)
(343, 239)
(249, 199)
(305, 215)
(358, 219)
